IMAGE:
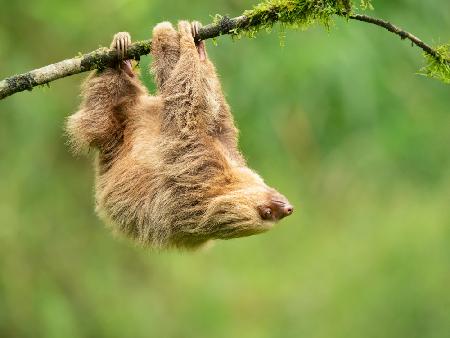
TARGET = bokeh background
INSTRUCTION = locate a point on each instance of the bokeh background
(338, 121)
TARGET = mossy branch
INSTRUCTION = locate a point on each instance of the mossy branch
(437, 59)
(289, 13)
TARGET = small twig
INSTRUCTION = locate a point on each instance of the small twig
(104, 57)
(396, 30)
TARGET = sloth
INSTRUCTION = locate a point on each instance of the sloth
(168, 170)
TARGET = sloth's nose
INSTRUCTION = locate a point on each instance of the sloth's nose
(288, 209)
(282, 210)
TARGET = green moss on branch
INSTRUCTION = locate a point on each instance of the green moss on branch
(292, 14)
(438, 66)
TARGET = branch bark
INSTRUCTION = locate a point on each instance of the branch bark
(104, 57)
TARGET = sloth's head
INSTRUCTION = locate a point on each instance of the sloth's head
(247, 208)
(274, 207)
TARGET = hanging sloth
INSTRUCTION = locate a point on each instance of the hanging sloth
(169, 172)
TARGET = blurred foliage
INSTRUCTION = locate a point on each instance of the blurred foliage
(338, 121)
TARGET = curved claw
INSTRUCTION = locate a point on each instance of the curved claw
(195, 30)
(121, 42)
(195, 25)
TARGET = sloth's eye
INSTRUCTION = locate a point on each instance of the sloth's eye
(265, 212)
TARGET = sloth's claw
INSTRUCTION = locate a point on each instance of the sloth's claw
(195, 25)
(121, 42)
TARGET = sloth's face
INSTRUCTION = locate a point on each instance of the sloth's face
(270, 204)
(275, 207)
(251, 207)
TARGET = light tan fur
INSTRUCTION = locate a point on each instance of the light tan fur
(169, 172)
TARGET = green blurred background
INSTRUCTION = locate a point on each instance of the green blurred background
(339, 122)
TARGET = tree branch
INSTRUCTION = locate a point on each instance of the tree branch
(396, 30)
(104, 57)
(100, 59)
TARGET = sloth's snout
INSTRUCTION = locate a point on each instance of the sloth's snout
(276, 210)
(288, 209)
(282, 210)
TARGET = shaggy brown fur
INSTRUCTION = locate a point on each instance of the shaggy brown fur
(169, 172)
